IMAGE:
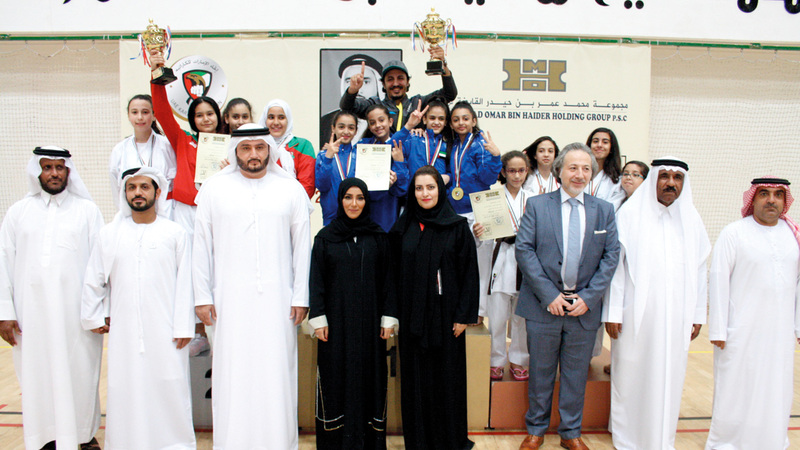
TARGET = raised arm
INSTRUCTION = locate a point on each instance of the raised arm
(487, 159)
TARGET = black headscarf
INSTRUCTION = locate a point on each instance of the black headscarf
(343, 228)
(428, 245)
(442, 215)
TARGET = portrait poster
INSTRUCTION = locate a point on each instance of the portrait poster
(336, 66)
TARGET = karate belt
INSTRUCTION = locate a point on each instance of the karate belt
(510, 241)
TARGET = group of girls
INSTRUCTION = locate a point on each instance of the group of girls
(336, 162)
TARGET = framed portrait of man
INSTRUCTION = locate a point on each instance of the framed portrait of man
(336, 66)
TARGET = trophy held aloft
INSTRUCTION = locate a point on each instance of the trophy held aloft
(157, 39)
(435, 31)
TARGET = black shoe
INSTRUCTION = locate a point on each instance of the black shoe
(91, 445)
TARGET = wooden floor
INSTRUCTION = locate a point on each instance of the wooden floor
(692, 427)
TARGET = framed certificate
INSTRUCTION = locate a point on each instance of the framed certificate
(211, 150)
(491, 211)
(373, 165)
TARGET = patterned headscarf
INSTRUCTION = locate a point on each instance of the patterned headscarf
(771, 182)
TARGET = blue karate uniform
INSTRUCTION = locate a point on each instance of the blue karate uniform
(414, 151)
(327, 178)
(384, 204)
(478, 169)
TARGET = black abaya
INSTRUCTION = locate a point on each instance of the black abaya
(348, 285)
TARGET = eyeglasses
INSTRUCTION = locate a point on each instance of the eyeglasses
(514, 171)
(632, 175)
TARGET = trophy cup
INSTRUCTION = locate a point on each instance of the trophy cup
(435, 30)
(155, 38)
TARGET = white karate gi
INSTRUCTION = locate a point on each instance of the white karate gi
(602, 188)
(753, 306)
(536, 184)
(156, 153)
(504, 295)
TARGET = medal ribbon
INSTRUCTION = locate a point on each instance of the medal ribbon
(592, 188)
(539, 180)
(432, 159)
(460, 158)
(514, 219)
(139, 155)
(342, 173)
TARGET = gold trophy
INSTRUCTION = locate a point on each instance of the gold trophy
(434, 31)
(155, 38)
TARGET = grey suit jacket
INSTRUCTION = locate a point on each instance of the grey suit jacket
(539, 253)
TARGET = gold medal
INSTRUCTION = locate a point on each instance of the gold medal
(457, 193)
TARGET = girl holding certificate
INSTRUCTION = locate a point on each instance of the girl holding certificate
(474, 158)
(436, 274)
(146, 147)
(384, 204)
(337, 162)
(203, 116)
(505, 278)
(347, 287)
(541, 154)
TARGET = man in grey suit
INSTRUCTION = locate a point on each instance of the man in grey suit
(567, 250)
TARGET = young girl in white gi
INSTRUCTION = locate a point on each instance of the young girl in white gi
(541, 154)
(146, 147)
(605, 185)
(504, 283)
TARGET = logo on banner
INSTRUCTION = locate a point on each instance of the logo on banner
(197, 82)
(199, 76)
(529, 75)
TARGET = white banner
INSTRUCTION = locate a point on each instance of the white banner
(520, 91)
(747, 21)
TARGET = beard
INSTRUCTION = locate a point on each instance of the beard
(53, 191)
(245, 166)
(148, 203)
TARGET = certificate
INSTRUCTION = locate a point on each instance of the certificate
(491, 211)
(211, 150)
(373, 164)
